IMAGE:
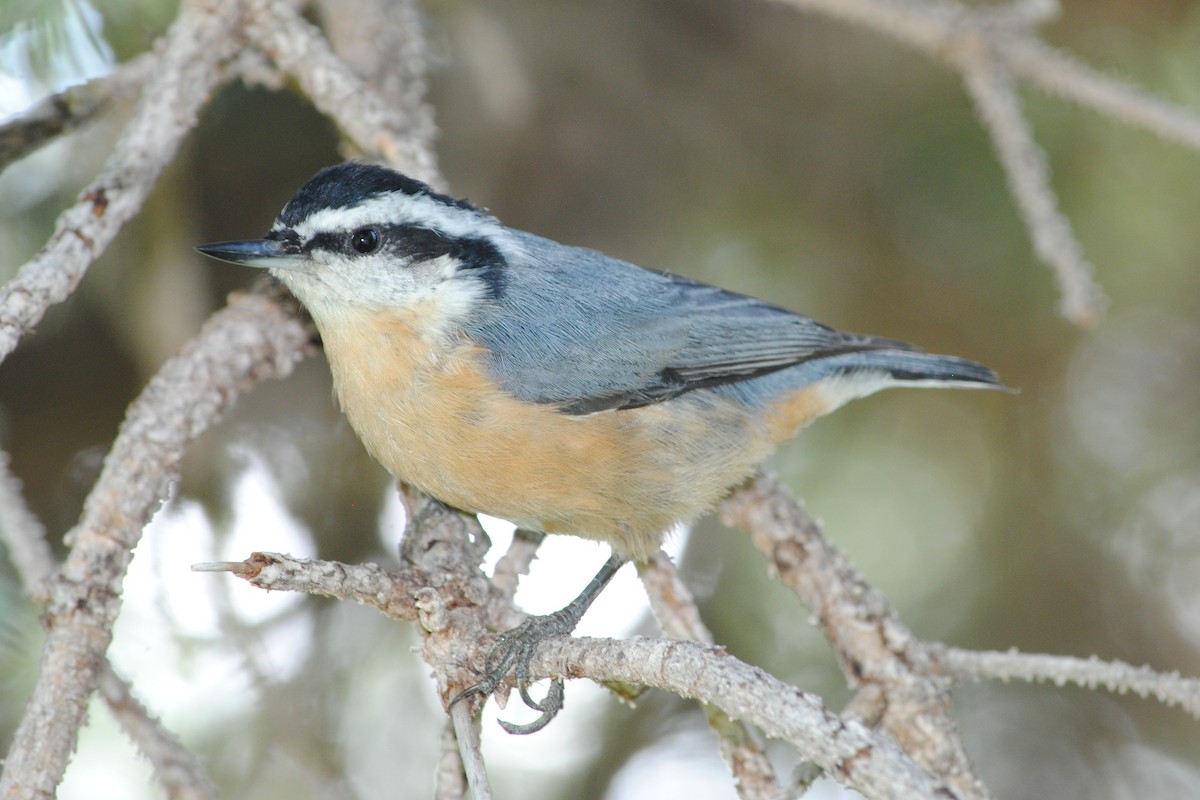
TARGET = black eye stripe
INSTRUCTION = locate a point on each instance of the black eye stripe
(413, 243)
(325, 241)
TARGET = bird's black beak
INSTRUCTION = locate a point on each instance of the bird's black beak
(264, 253)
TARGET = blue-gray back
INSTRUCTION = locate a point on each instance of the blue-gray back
(575, 327)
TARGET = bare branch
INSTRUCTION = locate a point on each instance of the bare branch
(185, 72)
(872, 645)
(362, 115)
(989, 47)
(71, 108)
(466, 731)
(939, 28)
(181, 773)
(251, 340)
(845, 749)
(393, 593)
(1170, 688)
(995, 95)
(382, 41)
(1060, 74)
(24, 535)
(677, 614)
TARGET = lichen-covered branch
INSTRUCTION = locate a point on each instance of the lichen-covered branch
(847, 750)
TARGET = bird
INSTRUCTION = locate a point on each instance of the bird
(553, 386)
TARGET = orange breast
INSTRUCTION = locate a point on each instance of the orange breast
(429, 412)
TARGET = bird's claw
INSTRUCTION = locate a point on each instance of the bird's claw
(512, 652)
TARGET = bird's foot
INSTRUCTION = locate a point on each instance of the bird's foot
(512, 653)
(514, 649)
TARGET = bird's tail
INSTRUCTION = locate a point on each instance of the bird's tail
(916, 367)
(848, 376)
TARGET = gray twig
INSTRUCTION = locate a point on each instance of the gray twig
(1169, 688)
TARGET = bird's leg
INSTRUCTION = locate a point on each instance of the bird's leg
(514, 650)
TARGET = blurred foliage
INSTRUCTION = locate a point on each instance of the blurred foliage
(50, 44)
(775, 153)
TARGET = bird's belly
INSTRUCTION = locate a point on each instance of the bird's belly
(441, 424)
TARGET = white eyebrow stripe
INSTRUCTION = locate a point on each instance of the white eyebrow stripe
(397, 208)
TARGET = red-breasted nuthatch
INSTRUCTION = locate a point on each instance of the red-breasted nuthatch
(554, 386)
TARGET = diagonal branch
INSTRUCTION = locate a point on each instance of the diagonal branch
(253, 339)
(187, 70)
(861, 759)
(401, 137)
(71, 108)
(991, 48)
(994, 92)
(180, 773)
(874, 648)
(24, 535)
(938, 28)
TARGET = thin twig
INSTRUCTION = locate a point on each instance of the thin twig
(1060, 74)
(466, 731)
(991, 48)
(361, 114)
(181, 773)
(871, 643)
(393, 593)
(253, 339)
(938, 28)
(995, 95)
(24, 535)
(1169, 688)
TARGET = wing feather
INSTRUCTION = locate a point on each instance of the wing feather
(587, 332)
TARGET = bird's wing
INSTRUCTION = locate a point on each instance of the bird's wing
(589, 333)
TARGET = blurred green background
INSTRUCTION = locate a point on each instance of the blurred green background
(775, 153)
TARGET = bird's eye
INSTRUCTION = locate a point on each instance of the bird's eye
(365, 240)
